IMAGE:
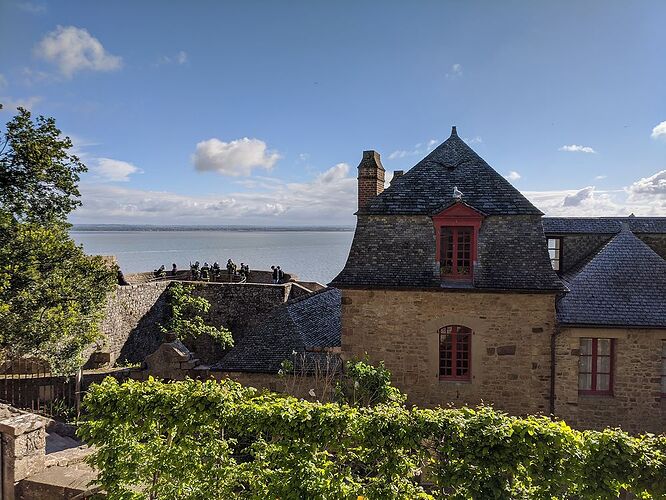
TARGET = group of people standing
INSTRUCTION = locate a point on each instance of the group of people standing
(278, 274)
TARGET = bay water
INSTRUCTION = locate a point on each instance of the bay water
(311, 255)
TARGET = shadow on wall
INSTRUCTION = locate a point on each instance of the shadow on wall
(145, 337)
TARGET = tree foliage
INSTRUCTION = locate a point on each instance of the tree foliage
(193, 439)
(38, 174)
(186, 320)
(51, 293)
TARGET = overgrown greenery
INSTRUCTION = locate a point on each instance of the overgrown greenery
(186, 320)
(51, 293)
(192, 440)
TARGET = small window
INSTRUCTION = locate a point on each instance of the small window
(555, 252)
(663, 368)
(455, 353)
(456, 252)
(595, 366)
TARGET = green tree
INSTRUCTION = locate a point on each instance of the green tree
(38, 174)
(51, 293)
(186, 320)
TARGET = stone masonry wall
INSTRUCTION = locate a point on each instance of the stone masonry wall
(655, 241)
(131, 321)
(636, 404)
(236, 307)
(134, 313)
(510, 344)
(579, 248)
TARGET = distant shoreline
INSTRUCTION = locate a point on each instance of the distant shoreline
(138, 228)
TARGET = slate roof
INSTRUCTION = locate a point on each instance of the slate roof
(311, 322)
(622, 285)
(603, 225)
(394, 242)
(427, 188)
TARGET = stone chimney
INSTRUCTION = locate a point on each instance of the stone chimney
(396, 174)
(370, 178)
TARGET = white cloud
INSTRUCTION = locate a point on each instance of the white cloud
(28, 103)
(456, 71)
(329, 198)
(73, 49)
(644, 197)
(418, 149)
(513, 176)
(234, 158)
(659, 131)
(32, 8)
(653, 186)
(114, 170)
(575, 199)
(180, 58)
(574, 148)
(600, 177)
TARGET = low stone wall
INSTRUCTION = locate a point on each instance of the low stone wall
(134, 313)
(257, 276)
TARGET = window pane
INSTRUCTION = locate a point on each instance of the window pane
(586, 346)
(585, 381)
(556, 264)
(603, 364)
(553, 253)
(603, 382)
(603, 346)
(585, 364)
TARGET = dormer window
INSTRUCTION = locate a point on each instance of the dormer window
(456, 232)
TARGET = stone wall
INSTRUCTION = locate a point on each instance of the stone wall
(579, 248)
(134, 313)
(131, 321)
(655, 241)
(510, 344)
(236, 307)
(636, 404)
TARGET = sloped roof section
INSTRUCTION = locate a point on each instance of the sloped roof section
(311, 322)
(428, 187)
(623, 285)
(603, 225)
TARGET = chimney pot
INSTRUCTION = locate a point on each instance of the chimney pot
(454, 131)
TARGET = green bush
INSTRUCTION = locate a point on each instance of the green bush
(195, 440)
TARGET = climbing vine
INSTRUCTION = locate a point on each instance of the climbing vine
(193, 439)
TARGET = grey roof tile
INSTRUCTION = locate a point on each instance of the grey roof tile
(428, 187)
(309, 322)
(603, 225)
(623, 285)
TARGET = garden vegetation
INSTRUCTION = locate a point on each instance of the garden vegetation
(219, 440)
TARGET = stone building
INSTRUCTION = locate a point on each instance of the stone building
(468, 294)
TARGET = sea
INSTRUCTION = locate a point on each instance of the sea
(313, 254)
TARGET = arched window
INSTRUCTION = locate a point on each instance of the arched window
(455, 353)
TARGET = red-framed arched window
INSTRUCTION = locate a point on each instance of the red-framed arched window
(456, 235)
(455, 353)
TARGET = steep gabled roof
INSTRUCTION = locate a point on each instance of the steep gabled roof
(623, 285)
(428, 187)
(603, 225)
(311, 322)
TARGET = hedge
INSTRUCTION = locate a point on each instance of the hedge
(201, 440)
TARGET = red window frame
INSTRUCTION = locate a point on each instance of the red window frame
(663, 368)
(455, 353)
(457, 226)
(595, 369)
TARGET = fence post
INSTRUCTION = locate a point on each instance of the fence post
(77, 389)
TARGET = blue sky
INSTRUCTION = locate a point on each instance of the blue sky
(257, 112)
